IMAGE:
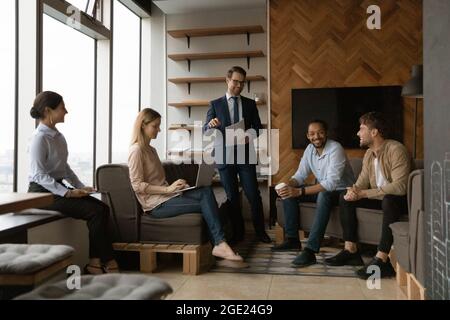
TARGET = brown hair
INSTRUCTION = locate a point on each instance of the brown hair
(144, 117)
(236, 69)
(375, 120)
(46, 99)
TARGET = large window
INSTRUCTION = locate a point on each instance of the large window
(7, 89)
(126, 66)
(68, 68)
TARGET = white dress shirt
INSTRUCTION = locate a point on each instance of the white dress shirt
(231, 107)
(48, 161)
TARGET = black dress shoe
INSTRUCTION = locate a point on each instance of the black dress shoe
(263, 237)
(386, 269)
(345, 258)
(304, 259)
(288, 245)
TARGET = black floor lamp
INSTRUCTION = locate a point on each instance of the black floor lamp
(414, 89)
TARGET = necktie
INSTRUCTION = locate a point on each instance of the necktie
(235, 109)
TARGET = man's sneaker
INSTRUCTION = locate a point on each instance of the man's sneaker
(288, 245)
(304, 259)
(345, 258)
(386, 269)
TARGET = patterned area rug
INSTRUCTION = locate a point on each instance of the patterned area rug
(262, 260)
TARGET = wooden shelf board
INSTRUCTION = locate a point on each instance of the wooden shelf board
(210, 79)
(216, 55)
(200, 103)
(204, 32)
(184, 153)
(196, 103)
(191, 127)
(188, 127)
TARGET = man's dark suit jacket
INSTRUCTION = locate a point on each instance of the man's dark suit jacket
(219, 109)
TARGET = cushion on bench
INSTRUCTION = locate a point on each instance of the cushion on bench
(29, 258)
(104, 287)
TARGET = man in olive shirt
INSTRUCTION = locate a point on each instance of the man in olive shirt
(381, 185)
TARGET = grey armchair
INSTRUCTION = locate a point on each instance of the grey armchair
(128, 222)
(409, 236)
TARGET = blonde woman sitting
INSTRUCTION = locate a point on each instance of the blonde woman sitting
(161, 200)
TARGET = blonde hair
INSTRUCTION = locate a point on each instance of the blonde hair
(144, 117)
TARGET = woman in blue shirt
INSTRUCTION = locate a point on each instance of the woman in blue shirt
(48, 169)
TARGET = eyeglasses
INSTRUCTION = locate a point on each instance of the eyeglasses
(236, 82)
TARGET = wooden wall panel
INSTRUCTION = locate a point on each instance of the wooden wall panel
(326, 43)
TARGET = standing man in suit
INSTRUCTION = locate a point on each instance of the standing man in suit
(222, 113)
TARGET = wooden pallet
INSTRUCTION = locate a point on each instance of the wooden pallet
(412, 288)
(196, 258)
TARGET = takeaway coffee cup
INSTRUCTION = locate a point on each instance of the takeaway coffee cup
(280, 186)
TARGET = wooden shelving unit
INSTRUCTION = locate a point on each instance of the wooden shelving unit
(216, 55)
(190, 81)
(189, 57)
(206, 32)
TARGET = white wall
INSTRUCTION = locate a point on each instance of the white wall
(69, 232)
(213, 68)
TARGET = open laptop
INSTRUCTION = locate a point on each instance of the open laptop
(204, 176)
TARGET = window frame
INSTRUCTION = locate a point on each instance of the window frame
(140, 14)
(94, 105)
(16, 97)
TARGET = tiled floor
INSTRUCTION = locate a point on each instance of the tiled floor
(217, 286)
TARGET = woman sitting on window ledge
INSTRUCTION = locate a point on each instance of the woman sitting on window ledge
(161, 200)
(48, 169)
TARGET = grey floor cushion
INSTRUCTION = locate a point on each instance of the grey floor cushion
(29, 258)
(104, 287)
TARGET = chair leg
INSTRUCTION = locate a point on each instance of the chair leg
(147, 261)
(279, 234)
(401, 276)
(415, 291)
(301, 235)
(191, 263)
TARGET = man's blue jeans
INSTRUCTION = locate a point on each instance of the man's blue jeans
(325, 201)
(200, 200)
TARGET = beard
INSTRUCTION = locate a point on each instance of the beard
(319, 144)
(365, 144)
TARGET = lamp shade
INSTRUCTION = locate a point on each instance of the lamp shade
(414, 87)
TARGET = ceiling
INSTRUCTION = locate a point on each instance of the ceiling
(192, 6)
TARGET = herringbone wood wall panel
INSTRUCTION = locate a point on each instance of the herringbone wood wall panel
(325, 43)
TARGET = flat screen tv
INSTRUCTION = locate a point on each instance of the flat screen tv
(341, 109)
